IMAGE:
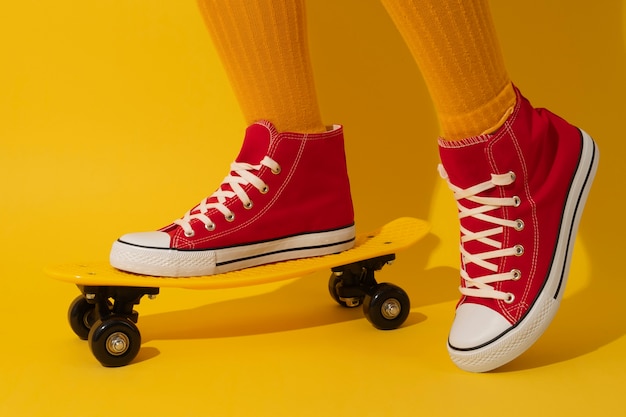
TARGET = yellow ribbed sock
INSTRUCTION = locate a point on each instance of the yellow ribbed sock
(456, 48)
(263, 46)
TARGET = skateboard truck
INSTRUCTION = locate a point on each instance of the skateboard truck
(352, 281)
(124, 300)
(105, 316)
(385, 305)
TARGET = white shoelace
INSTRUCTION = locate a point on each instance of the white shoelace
(241, 175)
(482, 286)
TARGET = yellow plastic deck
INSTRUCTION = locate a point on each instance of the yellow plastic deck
(391, 238)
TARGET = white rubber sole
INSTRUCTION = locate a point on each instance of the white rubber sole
(189, 263)
(520, 337)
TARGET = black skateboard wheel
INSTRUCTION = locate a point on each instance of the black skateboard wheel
(387, 306)
(115, 341)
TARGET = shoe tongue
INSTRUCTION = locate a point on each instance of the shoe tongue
(465, 161)
(466, 165)
(256, 143)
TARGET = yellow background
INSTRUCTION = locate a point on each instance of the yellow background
(116, 116)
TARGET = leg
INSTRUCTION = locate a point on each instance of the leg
(520, 177)
(264, 49)
(455, 46)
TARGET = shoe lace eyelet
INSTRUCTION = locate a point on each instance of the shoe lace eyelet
(230, 217)
(519, 225)
(190, 233)
(265, 189)
(276, 170)
(519, 250)
(516, 274)
(210, 227)
(516, 201)
(509, 298)
(248, 205)
(513, 176)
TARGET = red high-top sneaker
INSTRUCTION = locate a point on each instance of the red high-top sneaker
(520, 194)
(287, 196)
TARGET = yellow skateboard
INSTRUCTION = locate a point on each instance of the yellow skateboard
(104, 313)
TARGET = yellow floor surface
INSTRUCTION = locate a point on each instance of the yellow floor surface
(115, 116)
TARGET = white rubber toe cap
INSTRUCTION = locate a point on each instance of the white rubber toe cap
(157, 240)
(475, 325)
